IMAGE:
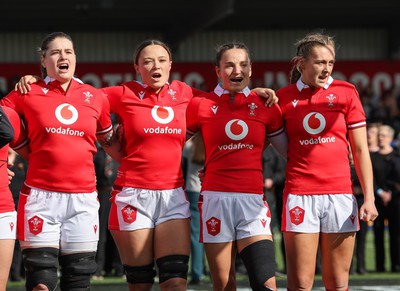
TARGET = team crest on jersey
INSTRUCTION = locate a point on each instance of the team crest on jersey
(87, 97)
(331, 99)
(253, 106)
(172, 93)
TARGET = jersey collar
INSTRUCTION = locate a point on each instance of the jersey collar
(219, 91)
(300, 85)
(48, 80)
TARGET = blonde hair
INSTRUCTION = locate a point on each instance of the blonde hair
(304, 49)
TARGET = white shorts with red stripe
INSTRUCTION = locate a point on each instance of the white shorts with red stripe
(328, 213)
(8, 225)
(50, 218)
(227, 216)
(135, 208)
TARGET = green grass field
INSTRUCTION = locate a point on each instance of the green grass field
(372, 278)
(369, 251)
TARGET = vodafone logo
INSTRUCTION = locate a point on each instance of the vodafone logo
(66, 114)
(236, 129)
(162, 114)
(314, 123)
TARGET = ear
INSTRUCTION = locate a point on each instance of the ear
(136, 67)
(250, 71)
(218, 72)
(42, 62)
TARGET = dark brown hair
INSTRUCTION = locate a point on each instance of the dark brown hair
(45, 45)
(145, 44)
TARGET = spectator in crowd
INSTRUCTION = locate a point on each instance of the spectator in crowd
(193, 161)
(394, 212)
(361, 235)
(234, 124)
(383, 163)
(106, 172)
(274, 182)
(322, 116)
(372, 136)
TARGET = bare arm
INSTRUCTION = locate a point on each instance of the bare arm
(363, 166)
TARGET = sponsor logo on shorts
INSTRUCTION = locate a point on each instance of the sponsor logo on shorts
(11, 226)
(129, 214)
(297, 215)
(213, 226)
(315, 123)
(162, 115)
(35, 225)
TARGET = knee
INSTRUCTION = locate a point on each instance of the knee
(140, 274)
(76, 270)
(259, 259)
(174, 266)
(40, 267)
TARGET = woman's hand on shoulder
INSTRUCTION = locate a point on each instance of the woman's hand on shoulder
(24, 84)
(268, 94)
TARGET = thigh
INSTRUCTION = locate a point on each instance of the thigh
(172, 237)
(221, 261)
(135, 247)
(6, 255)
(336, 255)
(301, 252)
(81, 221)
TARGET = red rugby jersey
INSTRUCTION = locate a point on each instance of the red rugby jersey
(234, 138)
(6, 198)
(62, 128)
(154, 133)
(317, 123)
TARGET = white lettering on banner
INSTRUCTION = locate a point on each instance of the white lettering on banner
(194, 79)
(318, 140)
(109, 79)
(162, 130)
(64, 131)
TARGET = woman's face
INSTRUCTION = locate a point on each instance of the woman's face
(317, 68)
(154, 66)
(234, 70)
(60, 60)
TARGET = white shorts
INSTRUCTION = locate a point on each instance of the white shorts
(47, 218)
(227, 216)
(328, 213)
(8, 225)
(134, 208)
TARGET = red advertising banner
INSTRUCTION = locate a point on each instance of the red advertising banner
(381, 75)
